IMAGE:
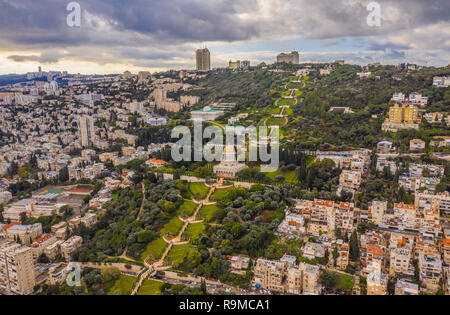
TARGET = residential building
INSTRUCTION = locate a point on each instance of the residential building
(440, 142)
(5, 197)
(417, 145)
(57, 274)
(189, 100)
(313, 250)
(384, 161)
(402, 117)
(54, 250)
(16, 268)
(292, 57)
(160, 96)
(430, 271)
(433, 118)
(401, 256)
(343, 256)
(155, 163)
(426, 170)
(303, 279)
(363, 75)
(377, 209)
(40, 244)
(89, 219)
(322, 219)
(87, 131)
(417, 99)
(403, 114)
(26, 233)
(239, 264)
(384, 147)
(269, 274)
(70, 246)
(285, 276)
(414, 184)
(441, 81)
(377, 282)
(445, 248)
(350, 179)
(425, 200)
(398, 97)
(403, 287)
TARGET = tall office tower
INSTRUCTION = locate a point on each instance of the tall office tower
(87, 131)
(203, 57)
(16, 268)
(292, 57)
(40, 69)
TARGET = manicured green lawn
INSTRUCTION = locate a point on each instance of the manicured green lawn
(274, 110)
(123, 286)
(275, 121)
(150, 287)
(188, 207)
(208, 211)
(177, 254)
(286, 101)
(198, 190)
(194, 230)
(173, 227)
(155, 249)
(290, 177)
(219, 194)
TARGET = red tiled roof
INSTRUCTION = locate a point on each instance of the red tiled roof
(6, 227)
(43, 238)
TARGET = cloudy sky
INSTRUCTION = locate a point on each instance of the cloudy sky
(119, 35)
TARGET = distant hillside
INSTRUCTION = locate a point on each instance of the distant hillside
(243, 88)
(12, 79)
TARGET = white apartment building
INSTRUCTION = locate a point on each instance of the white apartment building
(87, 131)
(26, 233)
(5, 197)
(430, 271)
(16, 268)
(425, 200)
(398, 97)
(417, 170)
(441, 81)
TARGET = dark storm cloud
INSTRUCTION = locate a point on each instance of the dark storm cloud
(45, 57)
(197, 20)
(44, 21)
(150, 30)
